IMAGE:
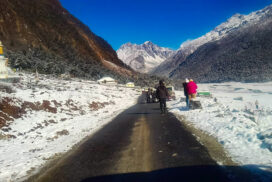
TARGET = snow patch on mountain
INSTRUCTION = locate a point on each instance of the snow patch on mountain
(235, 22)
(144, 57)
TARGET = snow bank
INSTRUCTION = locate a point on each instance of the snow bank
(239, 115)
(51, 116)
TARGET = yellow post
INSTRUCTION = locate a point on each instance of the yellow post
(1, 48)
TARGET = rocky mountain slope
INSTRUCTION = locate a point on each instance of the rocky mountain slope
(144, 57)
(233, 24)
(242, 54)
(43, 35)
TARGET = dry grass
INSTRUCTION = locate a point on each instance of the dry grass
(58, 134)
(6, 137)
(95, 106)
(8, 111)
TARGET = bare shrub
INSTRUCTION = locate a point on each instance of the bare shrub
(8, 111)
(95, 106)
(58, 134)
(63, 132)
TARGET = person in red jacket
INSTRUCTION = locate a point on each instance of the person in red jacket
(191, 89)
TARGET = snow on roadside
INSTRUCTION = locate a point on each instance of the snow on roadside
(239, 115)
(52, 116)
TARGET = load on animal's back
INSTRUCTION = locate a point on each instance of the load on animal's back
(149, 95)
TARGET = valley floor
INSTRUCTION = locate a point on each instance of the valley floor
(43, 119)
(140, 145)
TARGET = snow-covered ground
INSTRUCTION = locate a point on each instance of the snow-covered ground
(50, 117)
(239, 115)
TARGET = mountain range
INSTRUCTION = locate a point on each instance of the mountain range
(43, 36)
(144, 57)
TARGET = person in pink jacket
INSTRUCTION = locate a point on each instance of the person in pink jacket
(191, 89)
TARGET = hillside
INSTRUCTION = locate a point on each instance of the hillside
(43, 35)
(235, 50)
(243, 55)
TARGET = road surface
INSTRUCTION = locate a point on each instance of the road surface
(138, 145)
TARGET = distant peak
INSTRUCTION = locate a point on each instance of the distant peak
(128, 44)
(148, 42)
(237, 15)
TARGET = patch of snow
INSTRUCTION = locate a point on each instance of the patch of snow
(82, 108)
(239, 115)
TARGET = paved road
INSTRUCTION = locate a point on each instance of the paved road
(139, 145)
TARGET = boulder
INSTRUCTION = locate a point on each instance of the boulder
(195, 104)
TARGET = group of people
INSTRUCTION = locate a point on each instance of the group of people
(189, 90)
(189, 86)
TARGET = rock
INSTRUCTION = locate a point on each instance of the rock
(195, 104)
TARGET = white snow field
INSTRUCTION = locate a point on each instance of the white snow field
(52, 116)
(47, 118)
(239, 115)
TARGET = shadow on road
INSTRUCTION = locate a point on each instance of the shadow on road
(141, 139)
(156, 109)
(187, 173)
(140, 113)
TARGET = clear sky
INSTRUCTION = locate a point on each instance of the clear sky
(166, 23)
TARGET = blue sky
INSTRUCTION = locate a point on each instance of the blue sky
(166, 23)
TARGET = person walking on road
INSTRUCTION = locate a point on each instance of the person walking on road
(185, 91)
(162, 94)
(191, 89)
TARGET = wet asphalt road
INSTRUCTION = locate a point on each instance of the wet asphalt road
(138, 145)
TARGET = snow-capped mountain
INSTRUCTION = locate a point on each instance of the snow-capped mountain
(234, 23)
(144, 57)
(238, 50)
